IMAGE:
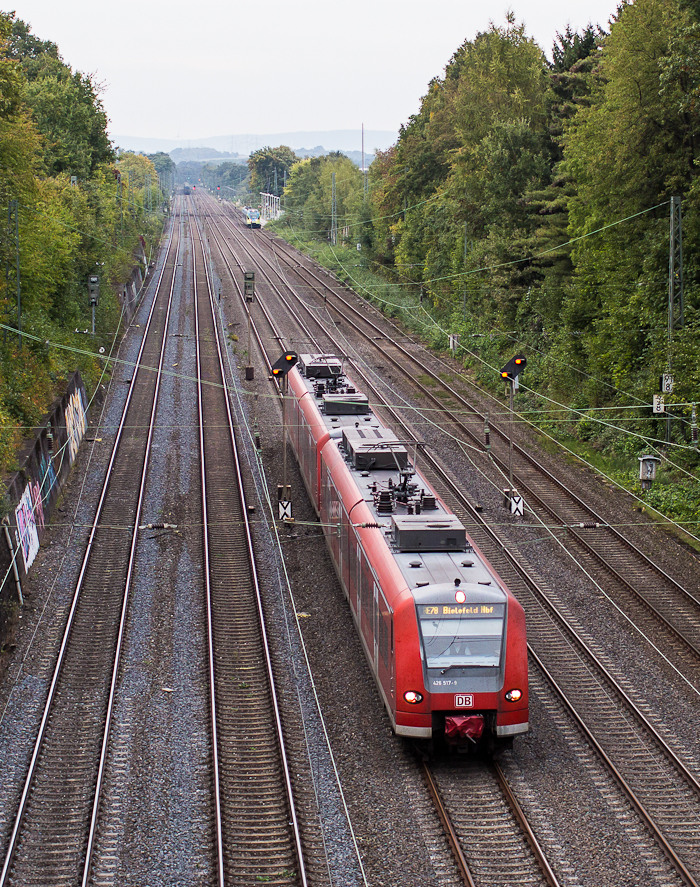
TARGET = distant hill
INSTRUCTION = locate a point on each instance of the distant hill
(234, 146)
(204, 155)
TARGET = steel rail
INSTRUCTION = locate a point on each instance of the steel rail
(12, 844)
(207, 580)
(127, 590)
(651, 729)
(638, 805)
(251, 553)
(593, 515)
(530, 836)
(624, 785)
(452, 836)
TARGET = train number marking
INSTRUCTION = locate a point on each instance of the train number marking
(464, 701)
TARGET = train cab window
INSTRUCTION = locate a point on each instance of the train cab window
(471, 637)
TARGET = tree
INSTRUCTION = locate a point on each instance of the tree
(269, 168)
(462, 166)
(626, 153)
(64, 104)
(309, 192)
(165, 168)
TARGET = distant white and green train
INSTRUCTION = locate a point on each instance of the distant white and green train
(252, 217)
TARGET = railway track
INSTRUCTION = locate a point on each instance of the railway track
(52, 837)
(645, 768)
(260, 835)
(656, 603)
(490, 836)
(64, 830)
(659, 606)
(510, 830)
(631, 748)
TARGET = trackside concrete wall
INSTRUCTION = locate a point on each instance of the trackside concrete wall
(31, 493)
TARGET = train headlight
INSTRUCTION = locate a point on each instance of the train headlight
(413, 697)
(460, 597)
(514, 695)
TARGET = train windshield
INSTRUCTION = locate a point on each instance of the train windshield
(462, 635)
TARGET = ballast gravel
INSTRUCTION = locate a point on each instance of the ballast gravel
(373, 824)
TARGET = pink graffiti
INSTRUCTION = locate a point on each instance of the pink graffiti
(27, 526)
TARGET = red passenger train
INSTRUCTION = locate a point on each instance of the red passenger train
(444, 637)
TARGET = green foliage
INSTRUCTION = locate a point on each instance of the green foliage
(53, 128)
(308, 197)
(525, 206)
(230, 178)
(65, 106)
(269, 168)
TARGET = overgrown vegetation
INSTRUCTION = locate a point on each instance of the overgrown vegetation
(70, 208)
(525, 207)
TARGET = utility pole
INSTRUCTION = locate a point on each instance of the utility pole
(121, 203)
(280, 368)
(510, 373)
(249, 295)
(334, 213)
(675, 271)
(13, 269)
(675, 291)
(464, 288)
(364, 170)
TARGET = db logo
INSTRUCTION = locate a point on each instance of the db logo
(465, 701)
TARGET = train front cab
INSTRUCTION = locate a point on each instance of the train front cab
(474, 664)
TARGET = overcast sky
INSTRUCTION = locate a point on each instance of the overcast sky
(171, 69)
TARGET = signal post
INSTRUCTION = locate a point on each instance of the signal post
(510, 373)
(280, 368)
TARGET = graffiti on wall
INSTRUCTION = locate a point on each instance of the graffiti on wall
(49, 479)
(29, 515)
(76, 422)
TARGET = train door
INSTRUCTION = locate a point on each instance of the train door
(385, 644)
(375, 626)
(356, 573)
(367, 596)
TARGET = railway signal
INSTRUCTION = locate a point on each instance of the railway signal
(249, 296)
(280, 368)
(514, 367)
(94, 293)
(647, 470)
(666, 383)
(249, 285)
(94, 288)
(510, 373)
(283, 364)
